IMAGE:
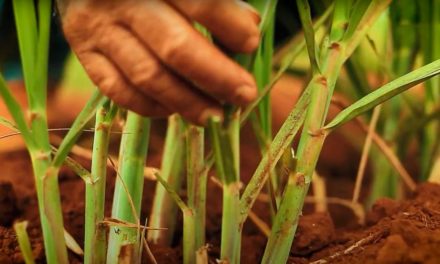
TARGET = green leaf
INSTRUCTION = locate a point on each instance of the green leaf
(16, 112)
(356, 15)
(172, 193)
(309, 33)
(294, 50)
(77, 168)
(77, 128)
(42, 57)
(223, 153)
(267, 11)
(384, 93)
(354, 35)
(26, 24)
(280, 143)
(340, 20)
(24, 242)
(6, 123)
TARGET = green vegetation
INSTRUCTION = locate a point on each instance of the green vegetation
(335, 45)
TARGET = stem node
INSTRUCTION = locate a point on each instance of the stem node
(300, 179)
(42, 155)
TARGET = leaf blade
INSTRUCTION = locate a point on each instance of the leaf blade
(77, 128)
(309, 33)
(384, 93)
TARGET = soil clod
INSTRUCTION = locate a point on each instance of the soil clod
(8, 204)
(397, 232)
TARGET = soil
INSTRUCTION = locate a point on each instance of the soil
(395, 232)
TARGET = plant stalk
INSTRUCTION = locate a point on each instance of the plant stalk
(196, 189)
(123, 241)
(225, 143)
(430, 21)
(312, 138)
(164, 211)
(24, 242)
(34, 48)
(95, 235)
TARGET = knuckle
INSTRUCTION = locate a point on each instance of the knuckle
(104, 36)
(173, 50)
(145, 73)
(75, 30)
(149, 78)
(197, 9)
(72, 18)
(111, 87)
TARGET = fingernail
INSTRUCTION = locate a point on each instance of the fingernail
(254, 12)
(251, 43)
(245, 94)
(209, 113)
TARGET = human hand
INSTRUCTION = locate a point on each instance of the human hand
(146, 56)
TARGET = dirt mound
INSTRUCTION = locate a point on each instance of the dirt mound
(396, 232)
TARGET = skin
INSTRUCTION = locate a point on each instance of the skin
(147, 57)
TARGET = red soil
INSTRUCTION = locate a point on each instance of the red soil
(396, 232)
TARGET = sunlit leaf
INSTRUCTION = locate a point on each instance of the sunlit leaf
(385, 92)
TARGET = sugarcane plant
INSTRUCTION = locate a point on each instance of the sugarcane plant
(405, 118)
(350, 23)
(186, 161)
(33, 43)
(124, 242)
(33, 39)
(95, 236)
(164, 209)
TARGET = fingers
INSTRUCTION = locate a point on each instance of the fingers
(114, 86)
(147, 74)
(233, 22)
(186, 52)
(153, 52)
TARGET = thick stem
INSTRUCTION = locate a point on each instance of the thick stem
(189, 233)
(312, 138)
(196, 182)
(124, 242)
(225, 143)
(286, 221)
(33, 43)
(164, 211)
(95, 236)
(195, 217)
(49, 206)
(231, 227)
